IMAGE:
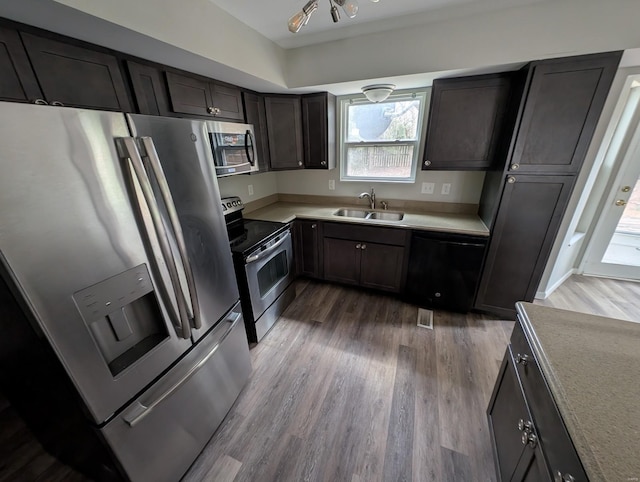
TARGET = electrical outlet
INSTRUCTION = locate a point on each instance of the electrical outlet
(428, 187)
(250, 189)
(446, 188)
(332, 185)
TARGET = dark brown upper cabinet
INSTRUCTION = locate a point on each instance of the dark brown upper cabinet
(148, 89)
(466, 120)
(562, 107)
(255, 114)
(319, 130)
(76, 76)
(17, 80)
(203, 97)
(284, 127)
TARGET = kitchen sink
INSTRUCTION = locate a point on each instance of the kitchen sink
(385, 216)
(351, 213)
(378, 215)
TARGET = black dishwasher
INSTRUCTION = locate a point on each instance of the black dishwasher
(444, 270)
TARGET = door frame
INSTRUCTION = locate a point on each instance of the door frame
(627, 168)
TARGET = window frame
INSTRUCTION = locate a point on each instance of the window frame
(423, 94)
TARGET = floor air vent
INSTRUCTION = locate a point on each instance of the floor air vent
(425, 318)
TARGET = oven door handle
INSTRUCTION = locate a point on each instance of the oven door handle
(256, 257)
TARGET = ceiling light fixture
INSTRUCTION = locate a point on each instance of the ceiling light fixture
(378, 92)
(300, 19)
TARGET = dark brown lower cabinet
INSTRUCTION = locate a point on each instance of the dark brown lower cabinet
(530, 440)
(525, 228)
(514, 459)
(366, 256)
(307, 235)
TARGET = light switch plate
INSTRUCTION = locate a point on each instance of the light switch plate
(428, 187)
(332, 185)
(446, 188)
(250, 189)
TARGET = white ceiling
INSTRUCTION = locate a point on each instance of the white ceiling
(270, 17)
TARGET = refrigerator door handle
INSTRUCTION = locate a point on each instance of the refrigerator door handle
(141, 410)
(129, 150)
(149, 151)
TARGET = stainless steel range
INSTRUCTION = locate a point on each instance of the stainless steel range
(263, 260)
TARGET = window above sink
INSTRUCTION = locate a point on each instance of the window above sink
(383, 141)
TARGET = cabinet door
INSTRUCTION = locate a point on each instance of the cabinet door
(285, 131)
(532, 466)
(255, 114)
(381, 266)
(466, 118)
(227, 100)
(526, 225)
(342, 260)
(444, 273)
(506, 408)
(560, 113)
(148, 89)
(76, 76)
(189, 95)
(17, 80)
(318, 123)
(307, 248)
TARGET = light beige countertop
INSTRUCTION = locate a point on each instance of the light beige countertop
(592, 366)
(445, 222)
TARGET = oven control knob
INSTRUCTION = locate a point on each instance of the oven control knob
(229, 204)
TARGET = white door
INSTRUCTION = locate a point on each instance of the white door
(615, 247)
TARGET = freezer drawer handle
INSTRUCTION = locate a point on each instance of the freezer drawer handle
(141, 410)
(149, 151)
(129, 151)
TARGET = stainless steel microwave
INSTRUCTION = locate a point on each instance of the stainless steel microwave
(233, 148)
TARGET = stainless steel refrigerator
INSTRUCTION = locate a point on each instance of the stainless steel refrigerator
(113, 245)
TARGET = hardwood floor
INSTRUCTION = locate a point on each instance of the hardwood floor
(346, 387)
(599, 296)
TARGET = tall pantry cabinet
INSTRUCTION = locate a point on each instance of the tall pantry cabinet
(561, 105)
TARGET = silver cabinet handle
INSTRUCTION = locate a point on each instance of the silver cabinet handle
(299, 163)
(525, 425)
(522, 359)
(149, 150)
(145, 409)
(427, 163)
(364, 246)
(558, 476)
(323, 163)
(529, 438)
(129, 150)
(511, 179)
(40, 102)
(515, 166)
(358, 246)
(314, 226)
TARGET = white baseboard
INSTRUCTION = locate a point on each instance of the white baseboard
(543, 295)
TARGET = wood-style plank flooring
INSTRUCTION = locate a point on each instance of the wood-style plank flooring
(346, 387)
(598, 296)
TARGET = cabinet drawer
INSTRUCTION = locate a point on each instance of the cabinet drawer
(370, 234)
(554, 438)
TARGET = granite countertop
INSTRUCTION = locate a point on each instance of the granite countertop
(445, 222)
(592, 366)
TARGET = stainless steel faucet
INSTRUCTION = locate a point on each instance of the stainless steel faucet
(372, 198)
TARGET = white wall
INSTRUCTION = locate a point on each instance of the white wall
(264, 185)
(542, 30)
(197, 26)
(466, 187)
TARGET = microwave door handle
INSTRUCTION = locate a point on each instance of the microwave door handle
(129, 151)
(249, 137)
(149, 149)
(255, 257)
